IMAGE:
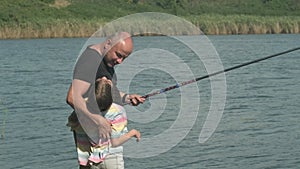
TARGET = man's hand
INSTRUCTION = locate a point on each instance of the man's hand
(104, 127)
(134, 99)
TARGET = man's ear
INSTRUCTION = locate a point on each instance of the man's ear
(108, 44)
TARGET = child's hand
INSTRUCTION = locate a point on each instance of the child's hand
(136, 134)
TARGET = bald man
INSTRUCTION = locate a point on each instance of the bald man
(95, 62)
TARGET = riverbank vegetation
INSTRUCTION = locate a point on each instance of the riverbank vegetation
(81, 18)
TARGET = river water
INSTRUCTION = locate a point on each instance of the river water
(259, 115)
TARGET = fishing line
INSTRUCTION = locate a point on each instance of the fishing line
(218, 72)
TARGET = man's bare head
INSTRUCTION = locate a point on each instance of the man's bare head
(117, 48)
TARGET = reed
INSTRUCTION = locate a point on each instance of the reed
(208, 24)
(51, 29)
(246, 24)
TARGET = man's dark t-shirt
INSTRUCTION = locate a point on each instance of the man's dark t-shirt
(88, 68)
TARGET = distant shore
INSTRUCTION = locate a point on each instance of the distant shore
(209, 25)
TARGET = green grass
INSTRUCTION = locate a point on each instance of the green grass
(78, 18)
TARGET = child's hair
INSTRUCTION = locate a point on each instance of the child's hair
(103, 90)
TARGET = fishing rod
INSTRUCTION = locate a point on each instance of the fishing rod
(218, 72)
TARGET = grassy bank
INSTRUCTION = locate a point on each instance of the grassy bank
(81, 18)
(209, 24)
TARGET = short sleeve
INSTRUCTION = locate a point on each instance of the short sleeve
(87, 65)
(117, 116)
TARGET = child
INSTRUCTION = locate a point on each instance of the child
(116, 115)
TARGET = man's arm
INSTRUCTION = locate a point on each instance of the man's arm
(89, 121)
(122, 139)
